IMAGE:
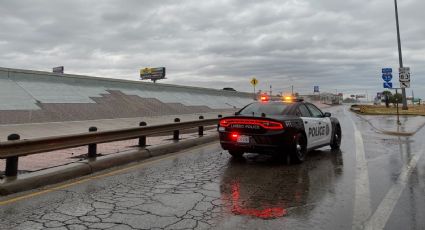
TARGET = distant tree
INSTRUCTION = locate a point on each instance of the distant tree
(387, 96)
(386, 92)
(396, 98)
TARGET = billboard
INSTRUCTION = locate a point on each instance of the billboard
(58, 69)
(153, 74)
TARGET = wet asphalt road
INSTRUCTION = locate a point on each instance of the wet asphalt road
(366, 185)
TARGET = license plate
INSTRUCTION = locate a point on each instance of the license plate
(243, 139)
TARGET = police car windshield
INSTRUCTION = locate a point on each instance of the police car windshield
(257, 109)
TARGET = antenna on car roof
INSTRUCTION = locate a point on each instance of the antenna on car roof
(263, 115)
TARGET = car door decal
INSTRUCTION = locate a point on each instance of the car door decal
(318, 130)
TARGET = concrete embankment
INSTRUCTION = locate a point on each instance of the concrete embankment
(33, 96)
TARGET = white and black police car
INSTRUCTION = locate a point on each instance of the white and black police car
(288, 127)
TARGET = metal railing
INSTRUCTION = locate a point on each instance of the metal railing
(14, 148)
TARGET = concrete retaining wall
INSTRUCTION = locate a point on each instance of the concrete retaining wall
(34, 96)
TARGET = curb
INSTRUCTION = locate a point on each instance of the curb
(74, 170)
(394, 133)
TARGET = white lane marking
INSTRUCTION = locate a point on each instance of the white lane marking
(362, 207)
(380, 218)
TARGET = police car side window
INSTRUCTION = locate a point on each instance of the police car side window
(314, 111)
(304, 111)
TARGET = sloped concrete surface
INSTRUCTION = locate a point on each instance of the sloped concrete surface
(33, 96)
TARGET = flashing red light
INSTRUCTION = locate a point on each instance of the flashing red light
(264, 98)
(267, 124)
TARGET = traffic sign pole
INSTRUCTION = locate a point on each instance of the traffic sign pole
(254, 82)
(398, 114)
(400, 58)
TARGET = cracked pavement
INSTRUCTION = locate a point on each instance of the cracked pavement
(199, 190)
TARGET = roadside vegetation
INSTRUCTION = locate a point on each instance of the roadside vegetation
(391, 110)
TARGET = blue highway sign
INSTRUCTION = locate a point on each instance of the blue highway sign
(387, 77)
(388, 85)
(387, 70)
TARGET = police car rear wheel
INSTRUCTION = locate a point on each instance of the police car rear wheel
(336, 139)
(299, 149)
(236, 153)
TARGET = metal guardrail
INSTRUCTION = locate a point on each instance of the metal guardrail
(15, 148)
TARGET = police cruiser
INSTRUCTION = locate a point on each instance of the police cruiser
(289, 127)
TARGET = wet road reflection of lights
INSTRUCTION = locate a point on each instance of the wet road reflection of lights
(260, 187)
(266, 213)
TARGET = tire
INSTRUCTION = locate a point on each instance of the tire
(235, 153)
(299, 149)
(336, 138)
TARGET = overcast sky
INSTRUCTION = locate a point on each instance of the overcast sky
(335, 44)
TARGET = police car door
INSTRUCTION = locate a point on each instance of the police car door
(309, 124)
(323, 129)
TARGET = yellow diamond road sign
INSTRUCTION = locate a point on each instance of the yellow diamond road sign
(254, 81)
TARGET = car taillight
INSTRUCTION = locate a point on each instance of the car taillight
(234, 136)
(273, 125)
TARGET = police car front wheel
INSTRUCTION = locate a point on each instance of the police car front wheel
(336, 138)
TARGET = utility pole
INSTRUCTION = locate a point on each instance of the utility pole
(292, 90)
(400, 56)
(270, 90)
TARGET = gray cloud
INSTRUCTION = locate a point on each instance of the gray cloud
(331, 43)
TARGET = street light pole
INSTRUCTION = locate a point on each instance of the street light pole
(400, 56)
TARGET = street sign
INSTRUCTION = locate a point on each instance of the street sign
(254, 81)
(387, 70)
(404, 74)
(388, 85)
(316, 89)
(387, 77)
(405, 84)
(152, 73)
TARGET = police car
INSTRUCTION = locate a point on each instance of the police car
(288, 127)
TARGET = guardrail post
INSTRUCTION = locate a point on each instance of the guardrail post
(201, 128)
(12, 162)
(142, 139)
(176, 133)
(92, 147)
(219, 116)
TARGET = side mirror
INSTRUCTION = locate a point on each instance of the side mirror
(327, 114)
